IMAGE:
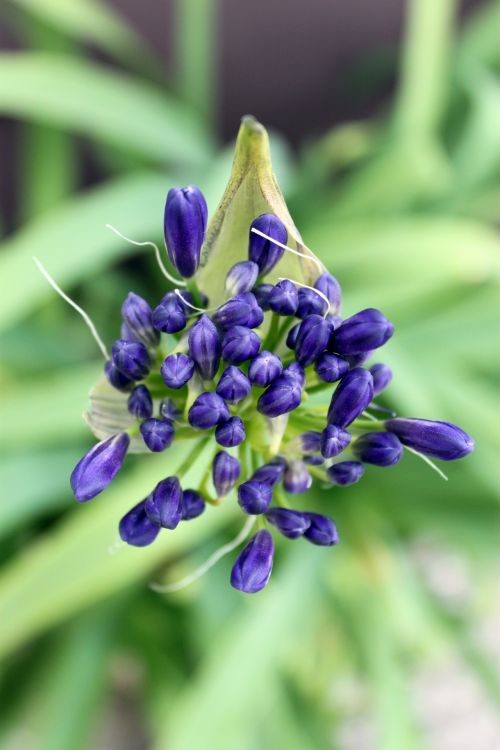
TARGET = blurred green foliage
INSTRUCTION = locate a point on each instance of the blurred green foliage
(405, 211)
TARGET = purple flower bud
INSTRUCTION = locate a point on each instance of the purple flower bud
(292, 334)
(291, 523)
(230, 433)
(170, 315)
(362, 332)
(225, 473)
(382, 376)
(356, 360)
(321, 531)
(351, 397)
(310, 441)
(241, 277)
(177, 369)
(335, 320)
(158, 434)
(131, 358)
(265, 368)
(136, 528)
(330, 367)
(185, 223)
(99, 467)
(116, 378)
(255, 497)
(164, 504)
(140, 403)
(333, 441)
(270, 473)
(208, 410)
(438, 439)
(168, 410)
(205, 347)
(233, 386)
(313, 460)
(310, 303)
(296, 371)
(263, 252)
(239, 344)
(256, 317)
(284, 298)
(330, 287)
(252, 568)
(312, 339)
(138, 318)
(193, 505)
(240, 310)
(297, 478)
(345, 472)
(261, 293)
(378, 448)
(283, 395)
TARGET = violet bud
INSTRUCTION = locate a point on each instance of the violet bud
(205, 347)
(345, 472)
(312, 339)
(282, 396)
(241, 277)
(310, 441)
(297, 478)
(170, 315)
(255, 497)
(168, 410)
(335, 320)
(382, 376)
(140, 403)
(252, 568)
(291, 523)
(356, 360)
(99, 467)
(225, 473)
(313, 460)
(321, 530)
(261, 293)
(237, 311)
(284, 298)
(233, 386)
(270, 473)
(131, 358)
(378, 448)
(297, 372)
(184, 224)
(310, 303)
(158, 434)
(264, 252)
(177, 369)
(333, 441)
(136, 528)
(193, 505)
(330, 287)
(291, 338)
(138, 318)
(330, 367)
(116, 378)
(164, 504)
(362, 332)
(208, 410)
(230, 433)
(239, 344)
(352, 395)
(438, 439)
(265, 368)
(256, 317)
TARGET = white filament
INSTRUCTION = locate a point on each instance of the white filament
(306, 286)
(290, 249)
(369, 416)
(193, 307)
(212, 560)
(157, 253)
(428, 461)
(85, 316)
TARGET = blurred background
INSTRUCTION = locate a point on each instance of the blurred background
(385, 128)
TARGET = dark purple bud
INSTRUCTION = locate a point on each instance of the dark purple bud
(438, 439)
(239, 344)
(362, 332)
(270, 473)
(264, 252)
(345, 472)
(313, 460)
(378, 448)
(310, 441)
(292, 334)
(177, 369)
(310, 303)
(255, 497)
(168, 410)
(205, 347)
(131, 358)
(382, 376)
(333, 441)
(138, 318)
(265, 368)
(241, 277)
(99, 467)
(291, 523)
(297, 478)
(170, 315)
(208, 410)
(296, 371)
(184, 224)
(230, 433)
(233, 386)
(192, 504)
(321, 531)
(261, 293)
(136, 528)
(330, 367)
(312, 339)
(356, 360)
(116, 378)
(283, 395)
(335, 320)
(284, 298)
(351, 397)
(158, 434)
(330, 287)
(256, 317)
(164, 504)
(237, 311)
(252, 568)
(140, 403)
(225, 473)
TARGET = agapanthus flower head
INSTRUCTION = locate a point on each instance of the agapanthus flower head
(184, 225)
